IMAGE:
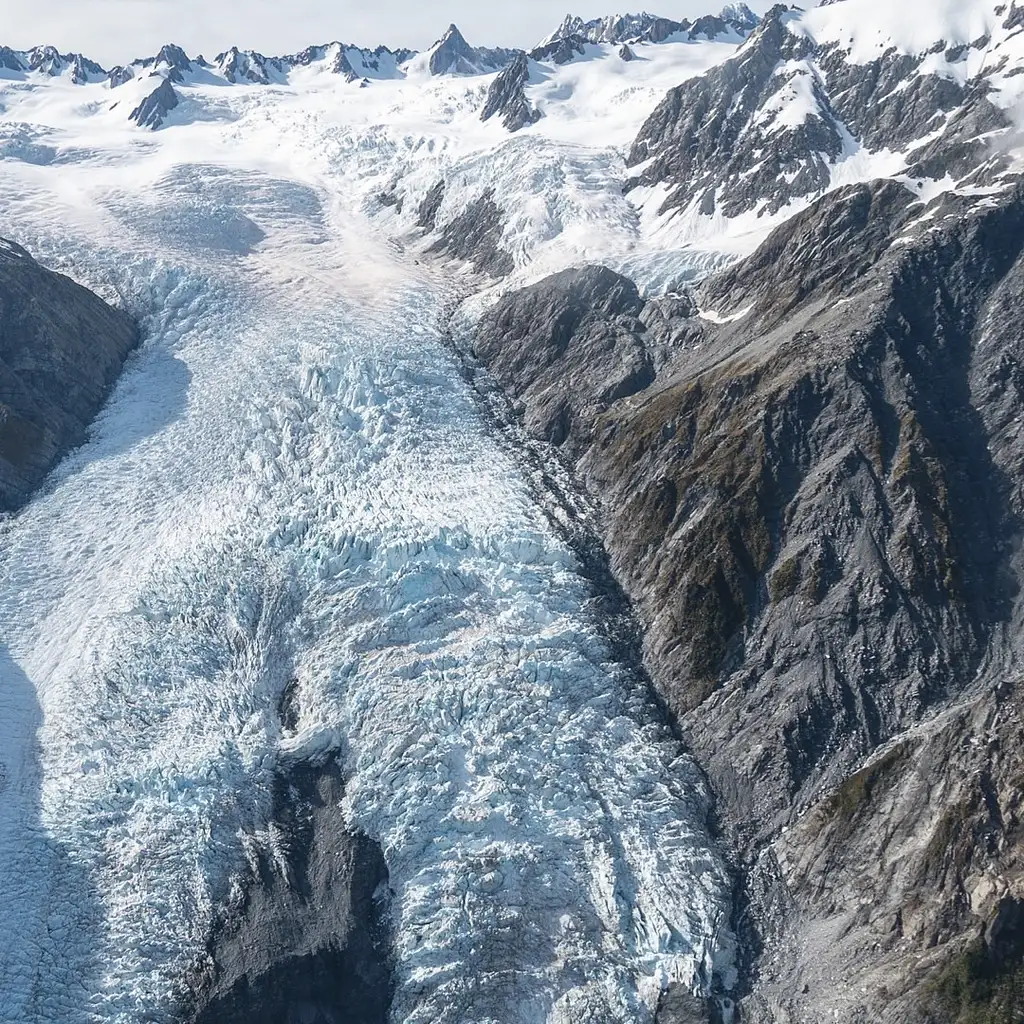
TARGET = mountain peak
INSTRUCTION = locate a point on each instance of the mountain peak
(617, 29)
(739, 14)
(451, 54)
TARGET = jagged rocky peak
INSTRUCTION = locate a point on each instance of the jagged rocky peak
(11, 60)
(560, 51)
(740, 14)
(809, 91)
(48, 60)
(172, 60)
(507, 96)
(246, 66)
(735, 19)
(353, 62)
(452, 55)
(153, 110)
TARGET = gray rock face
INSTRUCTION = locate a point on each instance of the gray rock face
(153, 110)
(61, 349)
(507, 96)
(721, 140)
(816, 509)
(313, 946)
(560, 51)
(475, 236)
(428, 209)
(452, 55)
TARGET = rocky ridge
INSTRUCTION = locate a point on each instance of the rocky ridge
(777, 122)
(507, 96)
(61, 349)
(809, 468)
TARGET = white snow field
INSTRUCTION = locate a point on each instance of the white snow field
(292, 482)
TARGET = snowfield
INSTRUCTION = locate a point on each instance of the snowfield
(292, 488)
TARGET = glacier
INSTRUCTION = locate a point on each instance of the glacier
(293, 490)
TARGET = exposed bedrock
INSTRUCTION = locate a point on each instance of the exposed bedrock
(722, 141)
(61, 349)
(306, 939)
(810, 476)
(473, 236)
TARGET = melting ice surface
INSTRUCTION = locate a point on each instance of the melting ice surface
(293, 489)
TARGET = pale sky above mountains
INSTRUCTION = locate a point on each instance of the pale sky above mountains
(116, 31)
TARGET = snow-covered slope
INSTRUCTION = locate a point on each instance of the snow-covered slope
(929, 94)
(399, 128)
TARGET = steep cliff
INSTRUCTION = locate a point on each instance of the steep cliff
(61, 349)
(809, 470)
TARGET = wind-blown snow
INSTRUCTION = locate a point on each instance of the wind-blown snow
(291, 482)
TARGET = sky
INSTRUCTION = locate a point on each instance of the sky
(116, 31)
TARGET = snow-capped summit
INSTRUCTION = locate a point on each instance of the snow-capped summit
(247, 66)
(172, 60)
(739, 14)
(452, 55)
(49, 61)
(616, 29)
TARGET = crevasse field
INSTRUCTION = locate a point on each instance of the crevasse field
(292, 486)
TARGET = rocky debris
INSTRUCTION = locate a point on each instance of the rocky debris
(452, 55)
(507, 96)
(155, 107)
(626, 54)
(309, 943)
(810, 476)
(61, 349)
(474, 235)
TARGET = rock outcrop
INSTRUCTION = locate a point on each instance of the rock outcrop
(61, 349)
(154, 108)
(810, 471)
(774, 122)
(308, 942)
(507, 96)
